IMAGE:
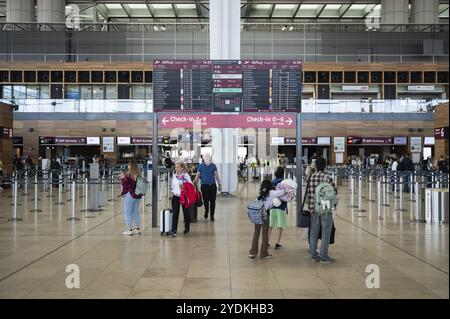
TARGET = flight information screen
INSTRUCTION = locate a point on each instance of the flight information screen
(227, 85)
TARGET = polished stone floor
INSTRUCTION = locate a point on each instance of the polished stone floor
(212, 261)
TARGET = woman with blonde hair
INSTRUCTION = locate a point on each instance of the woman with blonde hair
(131, 202)
(179, 178)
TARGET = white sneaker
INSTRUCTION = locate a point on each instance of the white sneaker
(128, 232)
(137, 231)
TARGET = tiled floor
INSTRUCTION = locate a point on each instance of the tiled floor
(212, 262)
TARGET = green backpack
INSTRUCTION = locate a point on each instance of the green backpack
(325, 198)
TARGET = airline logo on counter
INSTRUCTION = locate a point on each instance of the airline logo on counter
(70, 140)
(369, 140)
(227, 121)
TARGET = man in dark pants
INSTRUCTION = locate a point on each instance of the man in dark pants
(406, 166)
(209, 175)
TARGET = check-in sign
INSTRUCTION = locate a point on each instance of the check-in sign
(227, 121)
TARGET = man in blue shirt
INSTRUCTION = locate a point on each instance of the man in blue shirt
(207, 172)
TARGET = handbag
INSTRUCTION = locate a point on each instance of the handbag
(332, 234)
(199, 202)
(305, 215)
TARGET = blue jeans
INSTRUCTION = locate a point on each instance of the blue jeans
(326, 220)
(131, 211)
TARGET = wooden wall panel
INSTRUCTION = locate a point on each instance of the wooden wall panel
(144, 128)
(6, 148)
(441, 120)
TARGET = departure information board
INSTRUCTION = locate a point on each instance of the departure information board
(227, 85)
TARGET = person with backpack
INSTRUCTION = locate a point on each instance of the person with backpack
(266, 195)
(322, 196)
(278, 214)
(180, 178)
(131, 202)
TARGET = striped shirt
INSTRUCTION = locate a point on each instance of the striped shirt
(314, 181)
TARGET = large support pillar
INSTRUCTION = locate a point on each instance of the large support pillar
(20, 11)
(425, 11)
(394, 11)
(51, 11)
(225, 43)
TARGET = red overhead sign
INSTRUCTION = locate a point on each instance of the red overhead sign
(227, 121)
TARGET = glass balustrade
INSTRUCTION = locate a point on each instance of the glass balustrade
(146, 106)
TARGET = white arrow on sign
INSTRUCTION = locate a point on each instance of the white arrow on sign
(164, 121)
(289, 121)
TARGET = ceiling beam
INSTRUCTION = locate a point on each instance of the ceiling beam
(150, 10)
(368, 11)
(126, 9)
(296, 10)
(320, 11)
(175, 10)
(248, 9)
(272, 9)
(345, 10)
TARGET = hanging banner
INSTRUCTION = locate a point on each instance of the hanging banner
(108, 144)
(339, 144)
(416, 144)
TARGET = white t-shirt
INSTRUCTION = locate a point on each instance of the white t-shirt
(394, 165)
(177, 181)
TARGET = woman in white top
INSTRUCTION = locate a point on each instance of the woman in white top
(179, 178)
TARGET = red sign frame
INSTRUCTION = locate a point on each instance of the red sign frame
(204, 121)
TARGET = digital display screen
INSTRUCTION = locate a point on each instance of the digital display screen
(227, 85)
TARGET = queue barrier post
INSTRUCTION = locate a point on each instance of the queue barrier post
(14, 211)
(379, 199)
(73, 187)
(36, 209)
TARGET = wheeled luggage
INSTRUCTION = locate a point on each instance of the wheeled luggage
(165, 219)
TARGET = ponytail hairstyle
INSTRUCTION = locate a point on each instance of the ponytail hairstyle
(266, 187)
(134, 170)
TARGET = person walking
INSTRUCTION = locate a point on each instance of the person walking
(278, 214)
(322, 221)
(267, 193)
(179, 178)
(131, 202)
(210, 184)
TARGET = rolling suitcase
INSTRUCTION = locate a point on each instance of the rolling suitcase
(165, 220)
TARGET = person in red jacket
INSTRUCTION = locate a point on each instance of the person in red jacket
(178, 184)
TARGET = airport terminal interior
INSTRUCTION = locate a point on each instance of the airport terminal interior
(233, 97)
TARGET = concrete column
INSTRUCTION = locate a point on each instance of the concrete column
(51, 11)
(425, 11)
(394, 11)
(225, 43)
(20, 11)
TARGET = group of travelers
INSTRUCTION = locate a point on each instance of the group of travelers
(275, 214)
(183, 188)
